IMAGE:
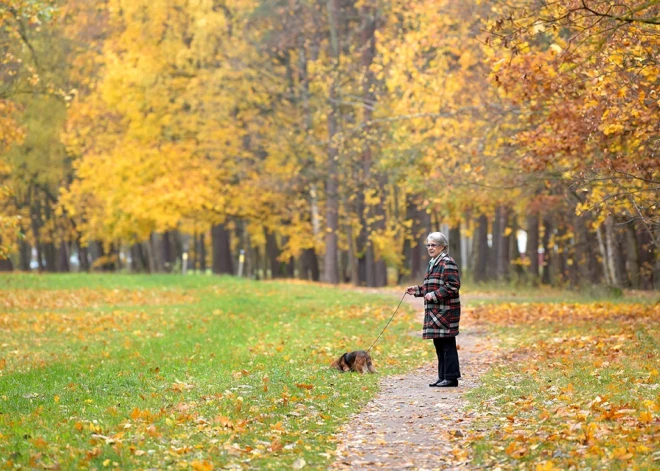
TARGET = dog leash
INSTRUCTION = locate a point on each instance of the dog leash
(388, 322)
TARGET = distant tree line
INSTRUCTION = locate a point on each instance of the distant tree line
(323, 140)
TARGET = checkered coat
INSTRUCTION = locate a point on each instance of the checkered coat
(443, 312)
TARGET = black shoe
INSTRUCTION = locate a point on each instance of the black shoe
(433, 385)
(447, 383)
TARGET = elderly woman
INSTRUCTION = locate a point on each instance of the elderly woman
(442, 308)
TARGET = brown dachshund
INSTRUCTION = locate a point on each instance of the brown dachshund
(359, 361)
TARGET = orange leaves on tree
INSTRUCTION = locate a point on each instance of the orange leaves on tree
(584, 107)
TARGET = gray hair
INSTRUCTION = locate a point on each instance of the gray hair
(439, 238)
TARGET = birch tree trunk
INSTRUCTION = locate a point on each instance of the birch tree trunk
(602, 246)
(613, 253)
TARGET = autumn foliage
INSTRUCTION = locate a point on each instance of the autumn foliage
(326, 139)
(576, 385)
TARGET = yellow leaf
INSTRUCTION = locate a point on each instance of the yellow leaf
(202, 465)
(645, 417)
(546, 466)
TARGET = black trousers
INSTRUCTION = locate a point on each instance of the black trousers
(448, 367)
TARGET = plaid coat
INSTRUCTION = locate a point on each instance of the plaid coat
(443, 312)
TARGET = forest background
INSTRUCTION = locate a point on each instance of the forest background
(323, 139)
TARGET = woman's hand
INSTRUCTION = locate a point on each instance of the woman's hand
(410, 289)
(429, 296)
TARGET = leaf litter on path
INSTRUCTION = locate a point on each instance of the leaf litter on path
(410, 425)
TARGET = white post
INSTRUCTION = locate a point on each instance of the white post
(241, 261)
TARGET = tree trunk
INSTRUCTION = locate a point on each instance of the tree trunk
(455, 245)
(25, 255)
(63, 258)
(353, 262)
(562, 255)
(481, 267)
(582, 254)
(514, 250)
(202, 252)
(83, 256)
(503, 241)
(308, 259)
(167, 252)
(220, 240)
(35, 224)
(51, 257)
(632, 247)
(533, 247)
(494, 245)
(421, 227)
(466, 249)
(344, 266)
(493, 253)
(646, 257)
(331, 269)
(602, 246)
(408, 241)
(373, 218)
(621, 256)
(194, 253)
(136, 259)
(177, 241)
(309, 265)
(547, 250)
(272, 253)
(5, 264)
(613, 253)
(155, 253)
(289, 266)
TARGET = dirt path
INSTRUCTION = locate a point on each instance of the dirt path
(412, 426)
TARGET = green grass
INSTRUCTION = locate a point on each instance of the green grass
(136, 372)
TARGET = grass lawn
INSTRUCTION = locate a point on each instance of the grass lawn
(197, 372)
(577, 386)
(201, 372)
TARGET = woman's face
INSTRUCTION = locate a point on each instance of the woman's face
(433, 248)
